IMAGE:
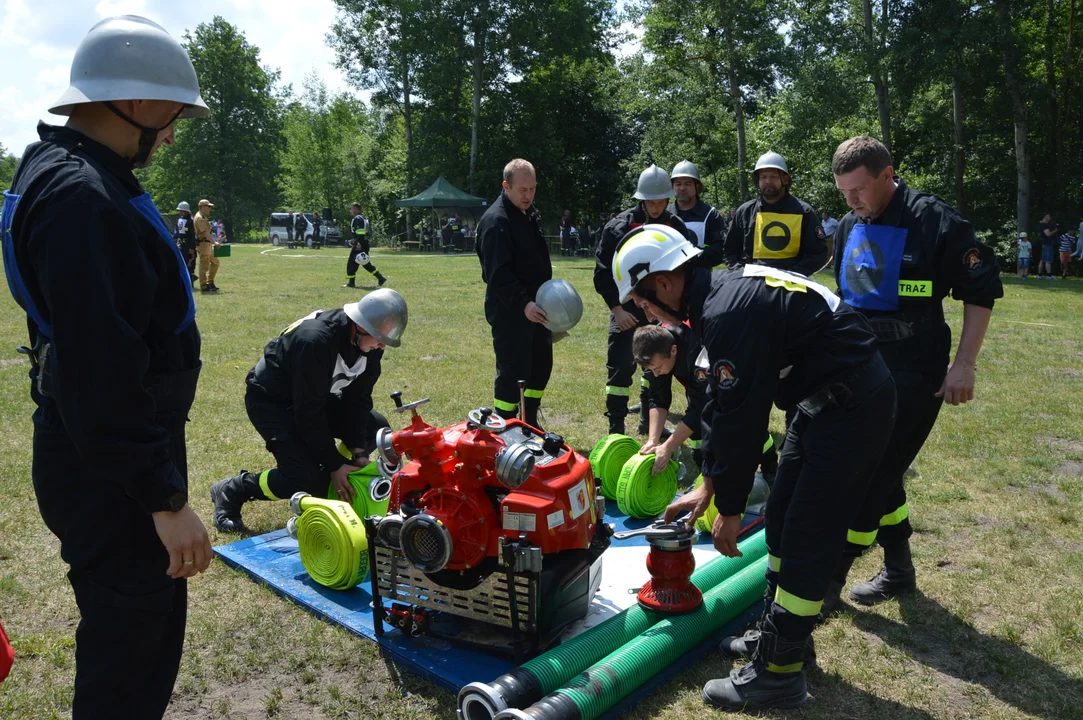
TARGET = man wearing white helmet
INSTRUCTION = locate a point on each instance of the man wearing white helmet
(701, 218)
(185, 234)
(653, 193)
(776, 229)
(772, 337)
(313, 387)
(115, 358)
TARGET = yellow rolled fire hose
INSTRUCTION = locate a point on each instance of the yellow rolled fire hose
(332, 541)
(608, 457)
(642, 495)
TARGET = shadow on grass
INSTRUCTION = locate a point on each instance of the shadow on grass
(932, 635)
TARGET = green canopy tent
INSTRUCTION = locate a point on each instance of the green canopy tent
(442, 197)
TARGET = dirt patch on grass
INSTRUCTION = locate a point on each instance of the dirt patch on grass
(4, 362)
(1075, 446)
(1073, 468)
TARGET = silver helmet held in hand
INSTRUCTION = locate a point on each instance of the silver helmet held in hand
(561, 303)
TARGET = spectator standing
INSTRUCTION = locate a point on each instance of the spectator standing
(1024, 255)
(1067, 244)
(185, 234)
(829, 224)
(1050, 237)
(567, 242)
(205, 245)
(1078, 254)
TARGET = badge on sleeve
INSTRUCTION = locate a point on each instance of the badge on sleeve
(871, 258)
(725, 374)
(972, 259)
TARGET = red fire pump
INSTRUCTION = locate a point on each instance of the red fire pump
(490, 523)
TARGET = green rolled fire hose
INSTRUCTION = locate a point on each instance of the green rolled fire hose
(363, 504)
(608, 457)
(332, 541)
(592, 693)
(529, 682)
(642, 495)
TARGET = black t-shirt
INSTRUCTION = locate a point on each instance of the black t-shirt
(1052, 239)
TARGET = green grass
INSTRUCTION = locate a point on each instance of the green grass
(996, 633)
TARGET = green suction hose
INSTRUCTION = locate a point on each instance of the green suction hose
(332, 541)
(362, 482)
(642, 495)
(608, 457)
(591, 694)
(531, 681)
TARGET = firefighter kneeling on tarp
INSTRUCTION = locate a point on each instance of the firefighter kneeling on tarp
(314, 384)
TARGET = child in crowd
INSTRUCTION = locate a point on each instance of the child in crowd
(1024, 255)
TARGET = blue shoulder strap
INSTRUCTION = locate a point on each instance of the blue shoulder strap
(16, 284)
(147, 209)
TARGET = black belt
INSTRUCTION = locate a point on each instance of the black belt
(840, 392)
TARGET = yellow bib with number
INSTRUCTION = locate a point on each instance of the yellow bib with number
(778, 236)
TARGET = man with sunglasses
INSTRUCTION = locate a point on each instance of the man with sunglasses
(312, 387)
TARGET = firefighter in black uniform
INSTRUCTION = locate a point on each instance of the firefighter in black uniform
(514, 263)
(114, 361)
(185, 234)
(776, 229)
(653, 193)
(699, 217)
(359, 249)
(300, 227)
(312, 386)
(775, 337)
(316, 230)
(898, 254)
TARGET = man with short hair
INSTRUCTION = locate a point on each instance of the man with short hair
(359, 249)
(205, 245)
(514, 264)
(699, 217)
(829, 224)
(652, 195)
(898, 255)
(114, 362)
(1049, 234)
(776, 229)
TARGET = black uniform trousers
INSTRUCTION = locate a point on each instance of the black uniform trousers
(622, 366)
(524, 351)
(824, 474)
(885, 516)
(354, 261)
(131, 631)
(297, 469)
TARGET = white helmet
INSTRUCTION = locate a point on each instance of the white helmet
(653, 184)
(649, 249)
(184, 206)
(561, 304)
(382, 314)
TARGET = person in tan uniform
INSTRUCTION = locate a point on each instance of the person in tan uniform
(205, 245)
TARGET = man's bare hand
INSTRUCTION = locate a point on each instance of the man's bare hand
(958, 387)
(624, 319)
(694, 501)
(534, 313)
(340, 480)
(662, 454)
(724, 533)
(185, 538)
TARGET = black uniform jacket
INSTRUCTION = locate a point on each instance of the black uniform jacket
(612, 234)
(186, 233)
(772, 337)
(311, 364)
(687, 374)
(706, 224)
(904, 263)
(514, 257)
(785, 235)
(101, 278)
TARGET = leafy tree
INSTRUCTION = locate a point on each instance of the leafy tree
(8, 163)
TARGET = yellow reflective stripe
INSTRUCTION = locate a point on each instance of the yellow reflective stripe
(796, 605)
(791, 668)
(785, 284)
(774, 563)
(263, 486)
(533, 393)
(351, 277)
(344, 451)
(644, 382)
(769, 442)
(614, 390)
(865, 539)
(915, 288)
(896, 517)
(505, 406)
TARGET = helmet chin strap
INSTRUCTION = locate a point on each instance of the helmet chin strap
(147, 135)
(652, 297)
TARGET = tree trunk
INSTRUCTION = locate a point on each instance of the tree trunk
(1010, 45)
(878, 82)
(1051, 81)
(736, 98)
(481, 18)
(407, 120)
(1069, 69)
(957, 137)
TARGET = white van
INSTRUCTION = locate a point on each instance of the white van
(279, 235)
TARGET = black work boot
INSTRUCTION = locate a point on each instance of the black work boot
(616, 407)
(380, 279)
(350, 283)
(775, 678)
(229, 495)
(895, 578)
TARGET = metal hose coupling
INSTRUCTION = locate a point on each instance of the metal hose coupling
(295, 502)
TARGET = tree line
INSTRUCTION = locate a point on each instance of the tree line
(978, 102)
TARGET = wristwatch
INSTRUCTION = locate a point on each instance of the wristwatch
(359, 456)
(176, 501)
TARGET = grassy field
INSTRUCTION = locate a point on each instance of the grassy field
(996, 632)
